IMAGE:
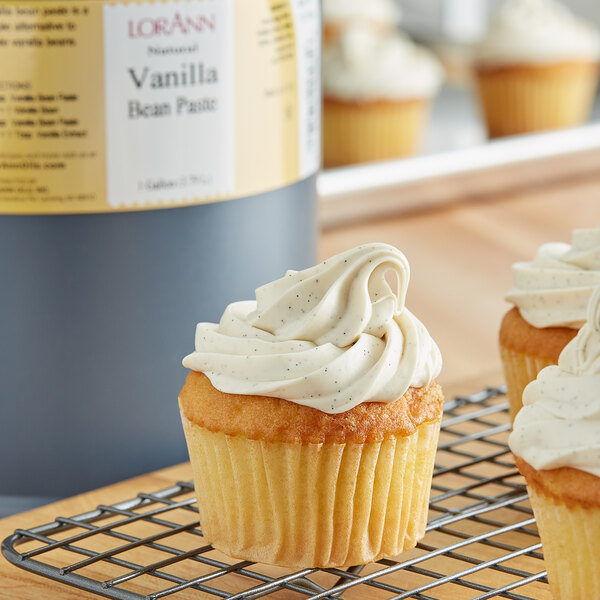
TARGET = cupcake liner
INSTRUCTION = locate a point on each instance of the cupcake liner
(571, 544)
(355, 132)
(312, 505)
(519, 369)
(526, 98)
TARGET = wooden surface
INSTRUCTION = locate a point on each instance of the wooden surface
(460, 258)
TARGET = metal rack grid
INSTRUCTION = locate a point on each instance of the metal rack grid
(481, 539)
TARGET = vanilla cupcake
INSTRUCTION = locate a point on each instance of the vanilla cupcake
(382, 16)
(312, 417)
(537, 68)
(556, 443)
(550, 296)
(376, 96)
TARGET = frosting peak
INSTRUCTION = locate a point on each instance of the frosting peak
(335, 301)
(331, 336)
(559, 424)
(553, 290)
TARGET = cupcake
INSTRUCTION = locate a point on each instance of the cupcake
(556, 443)
(382, 16)
(376, 96)
(537, 68)
(550, 297)
(312, 416)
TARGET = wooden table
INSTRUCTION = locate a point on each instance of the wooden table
(460, 257)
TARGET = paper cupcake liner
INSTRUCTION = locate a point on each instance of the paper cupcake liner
(313, 505)
(571, 544)
(519, 370)
(528, 98)
(355, 132)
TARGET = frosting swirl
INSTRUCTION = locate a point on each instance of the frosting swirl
(329, 337)
(538, 31)
(559, 424)
(553, 290)
(362, 65)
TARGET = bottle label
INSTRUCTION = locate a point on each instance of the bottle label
(111, 106)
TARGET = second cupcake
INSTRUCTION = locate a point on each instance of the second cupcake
(549, 297)
(377, 90)
(312, 417)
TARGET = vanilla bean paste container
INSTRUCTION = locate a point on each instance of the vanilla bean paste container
(157, 161)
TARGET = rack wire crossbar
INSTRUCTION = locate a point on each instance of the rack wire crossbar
(481, 539)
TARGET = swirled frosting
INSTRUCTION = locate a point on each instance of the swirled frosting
(538, 31)
(362, 65)
(553, 290)
(329, 337)
(343, 11)
(559, 424)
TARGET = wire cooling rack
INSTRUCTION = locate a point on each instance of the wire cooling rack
(481, 539)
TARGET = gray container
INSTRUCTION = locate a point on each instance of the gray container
(96, 313)
(133, 137)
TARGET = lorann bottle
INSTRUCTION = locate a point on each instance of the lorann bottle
(157, 161)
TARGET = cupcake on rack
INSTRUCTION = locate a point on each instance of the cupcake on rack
(549, 297)
(377, 90)
(556, 444)
(312, 416)
(537, 68)
(382, 16)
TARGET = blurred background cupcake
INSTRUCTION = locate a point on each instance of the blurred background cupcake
(377, 90)
(537, 68)
(382, 16)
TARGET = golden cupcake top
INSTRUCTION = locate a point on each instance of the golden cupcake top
(289, 422)
(330, 337)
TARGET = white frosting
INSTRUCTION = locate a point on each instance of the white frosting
(538, 31)
(553, 290)
(376, 11)
(559, 424)
(362, 65)
(330, 337)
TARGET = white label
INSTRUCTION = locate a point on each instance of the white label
(169, 85)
